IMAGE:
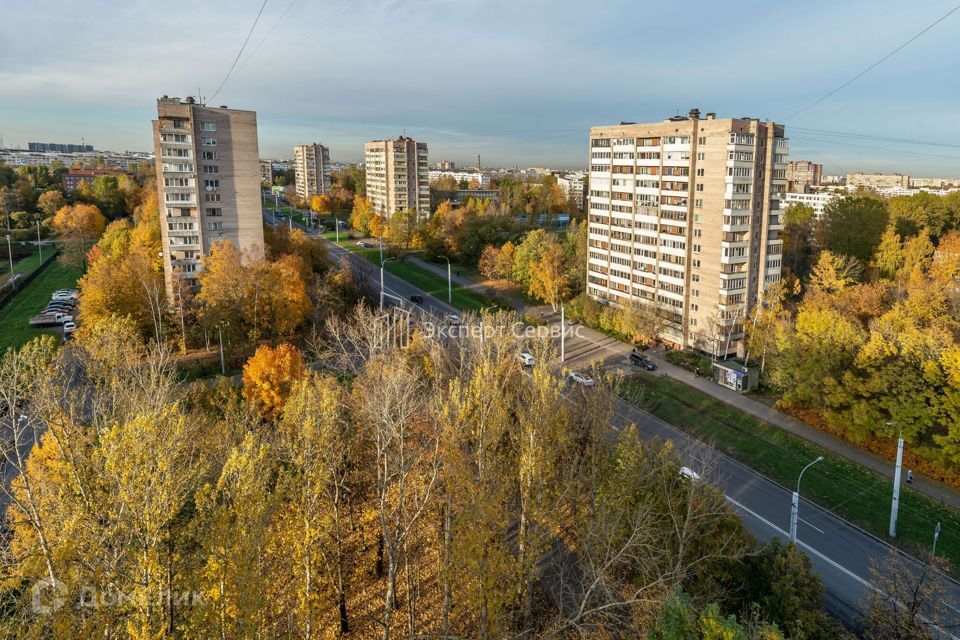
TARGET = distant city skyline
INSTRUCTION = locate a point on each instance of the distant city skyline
(518, 83)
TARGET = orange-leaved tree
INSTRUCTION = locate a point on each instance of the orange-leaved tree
(268, 378)
(78, 226)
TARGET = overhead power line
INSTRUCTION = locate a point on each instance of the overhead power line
(864, 136)
(264, 39)
(239, 53)
(872, 66)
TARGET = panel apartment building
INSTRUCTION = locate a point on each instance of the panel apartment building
(684, 218)
(397, 176)
(311, 167)
(208, 178)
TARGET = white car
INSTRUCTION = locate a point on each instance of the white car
(689, 473)
(525, 359)
(581, 378)
(453, 319)
(69, 327)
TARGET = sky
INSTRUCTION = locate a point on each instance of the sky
(518, 82)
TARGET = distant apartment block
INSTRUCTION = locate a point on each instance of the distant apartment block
(816, 201)
(266, 171)
(125, 160)
(572, 186)
(311, 165)
(446, 165)
(802, 174)
(397, 176)
(72, 179)
(59, 148)
(208, 178)
(934, 183)
(878, 180)
(481, 179)
(684, 222)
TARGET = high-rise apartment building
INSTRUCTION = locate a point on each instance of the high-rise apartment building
(684, 220)
(266, 172)
(802, 174)
(208, 178)
(397, 176)
(311, 166)
(572, 186)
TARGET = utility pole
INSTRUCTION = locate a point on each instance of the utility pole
(895, 505)
(563, 334)
(223, 367)
(39, 247)
(10, 255)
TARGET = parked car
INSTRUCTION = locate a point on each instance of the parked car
(69, 327)
(363, 244)
(689, 473)
(525, 359)
(453, 319)
(642, 361)
(581, 378)
(416, 298)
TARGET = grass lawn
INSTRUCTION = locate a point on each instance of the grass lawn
(23, 265)
(15, 329)
(848, 490)
(463, 298)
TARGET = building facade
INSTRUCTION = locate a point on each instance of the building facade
(878, 180)
(59, 148)
(208, 178)
(266, 172)
(311, 165)
(397, 176)
(684, 223)
(72, 179)
(480, 178)
(802, 174)
(572, 186)
(816, 201)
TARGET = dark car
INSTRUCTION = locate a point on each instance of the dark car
(642, 361)
(416, 298)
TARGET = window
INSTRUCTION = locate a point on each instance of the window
(697, 233)
(211, 197)
(695, 277)
(700, 172)
(698, 204)
(693, 322)
(208, 142)
(208, 126)
(215, 226)
(702, 140)
(699, 156)
(178, 124)
(208, 155)
(696, 263)
(694, 306)
(211, 184)
(699, 187)
(696, 248)
(211, 169)
(214, 211)
(698, 217)
(695, 293)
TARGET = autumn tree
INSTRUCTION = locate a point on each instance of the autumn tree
(78, 226)
(269, 376)
(549, 279)
(362, 215)
(51, 201)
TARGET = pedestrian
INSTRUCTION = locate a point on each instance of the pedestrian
(909, 476)
(696, 372)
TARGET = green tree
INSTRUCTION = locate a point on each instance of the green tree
(853, 226)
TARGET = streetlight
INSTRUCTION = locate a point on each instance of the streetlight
(223, 367)
(382, 262)
(10, 255)
(895, 504)
(936, 534)
(795, 507)
(449, 281)
(39, 247)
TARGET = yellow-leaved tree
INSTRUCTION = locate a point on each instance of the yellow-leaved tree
(268, 378)
(78, 226)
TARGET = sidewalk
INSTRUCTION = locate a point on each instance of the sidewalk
(761, 411)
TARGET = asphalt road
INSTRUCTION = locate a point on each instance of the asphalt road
(841, 552)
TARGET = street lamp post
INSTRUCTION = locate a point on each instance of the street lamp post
(795, 506)
(39, 247)
(936, 534)
(223, 367)
(563, 333)
(10, 254)
(895, 504)
(449, 281)
(382, 262)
